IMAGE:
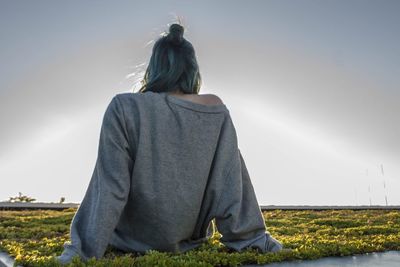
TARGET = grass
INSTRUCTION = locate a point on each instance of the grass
(35, 237)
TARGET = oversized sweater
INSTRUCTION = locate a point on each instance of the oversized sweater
(166, 166)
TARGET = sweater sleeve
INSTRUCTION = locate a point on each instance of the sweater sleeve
(107, 193)
(238, 215)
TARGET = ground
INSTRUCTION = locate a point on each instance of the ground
(35, 237)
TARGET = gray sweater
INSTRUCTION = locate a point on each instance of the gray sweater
(165, 168)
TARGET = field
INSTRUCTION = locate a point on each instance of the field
(35, 237)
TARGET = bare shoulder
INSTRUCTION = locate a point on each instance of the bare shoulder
(211, 99)
(205, 99)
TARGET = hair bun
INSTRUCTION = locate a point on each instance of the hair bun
(175, 35)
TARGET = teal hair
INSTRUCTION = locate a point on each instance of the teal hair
(173, 65)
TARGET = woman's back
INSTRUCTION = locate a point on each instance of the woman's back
(166, 167)
(174, 143)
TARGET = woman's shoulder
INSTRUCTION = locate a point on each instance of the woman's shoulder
(211, 99)
(206, 99)
(131, 96)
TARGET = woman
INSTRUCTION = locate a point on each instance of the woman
(168, 163)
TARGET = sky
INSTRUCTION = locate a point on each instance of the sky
(312, 88)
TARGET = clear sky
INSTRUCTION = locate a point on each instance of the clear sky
(312, 87)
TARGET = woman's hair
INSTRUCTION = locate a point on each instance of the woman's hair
(172, 65)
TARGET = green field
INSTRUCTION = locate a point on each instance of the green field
(35, 237)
